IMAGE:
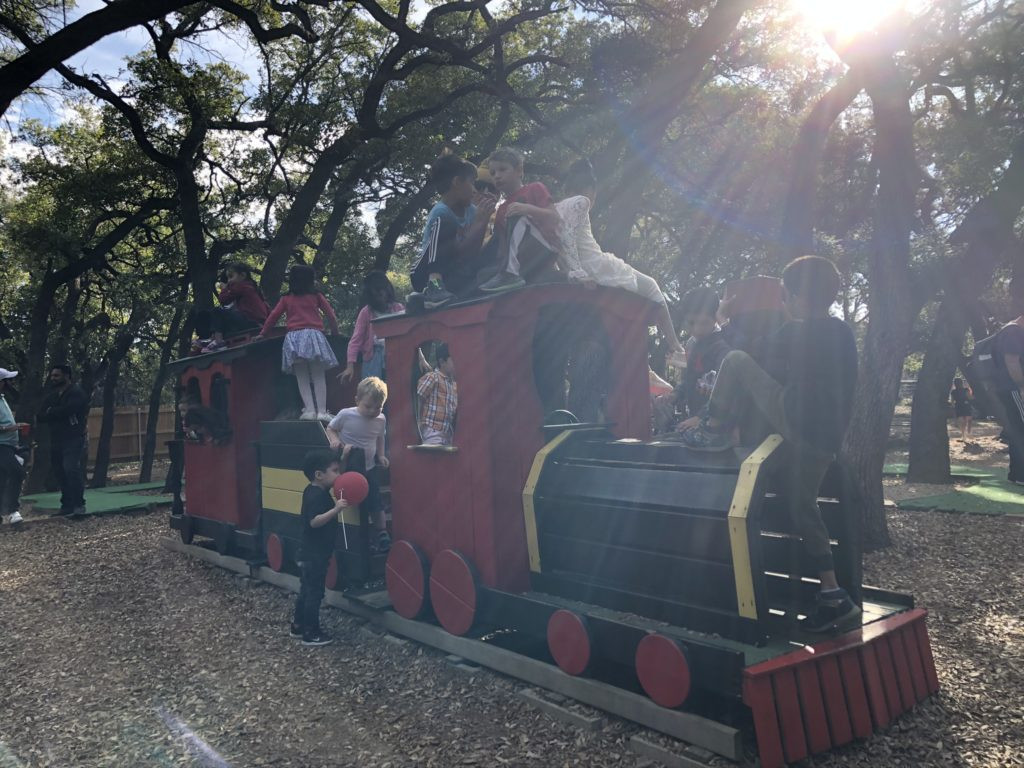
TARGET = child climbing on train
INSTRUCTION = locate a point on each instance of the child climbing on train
(806, 395)
(705, 350)
(306, 351)
(242, 308)
(451, 252)
(359, 433)
(586, 263)
(378, 299)
(438, 397)
(319, 529)
(525, 225)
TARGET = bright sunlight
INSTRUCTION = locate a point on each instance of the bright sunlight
(846, 18)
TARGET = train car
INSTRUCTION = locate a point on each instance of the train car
(247, 484)
(553, 515)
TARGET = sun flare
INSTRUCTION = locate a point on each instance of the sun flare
(846, 18)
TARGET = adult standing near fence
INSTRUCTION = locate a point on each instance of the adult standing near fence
(11, 472)
(65, 410)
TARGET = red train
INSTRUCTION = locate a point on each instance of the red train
(629, 560)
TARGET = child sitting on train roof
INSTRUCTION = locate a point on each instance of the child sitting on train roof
(438, 395)
(319, 530)
(451, 250)
(806, 395)
(526, 225)
(359, 433)
(585, 262)
(242, 308)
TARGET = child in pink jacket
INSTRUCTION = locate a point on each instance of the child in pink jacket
(378, 299)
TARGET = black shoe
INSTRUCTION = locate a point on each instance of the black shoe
(316, 638)
(63, 513)
(79, 512)
(295, 630)
(831, 610)
(436, 295)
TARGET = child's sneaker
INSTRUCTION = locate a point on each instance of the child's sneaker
(831, 608)
(436, 295)
(324, 416)
(198, 344)
(14, 518)
(503, 281)
(308, 416)
(215, 346)
(316, 638)
(704, 438)
(295, 630)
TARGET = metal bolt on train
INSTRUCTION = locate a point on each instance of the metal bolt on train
(628, 560)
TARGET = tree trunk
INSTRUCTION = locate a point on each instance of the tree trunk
(202, 273)
(987, 232)
(653, 112)
(122, 344)
(797, 231)
(156, 391)
(890, 311)
(412, 205)
(929, 433)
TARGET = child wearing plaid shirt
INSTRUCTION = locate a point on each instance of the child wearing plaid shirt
(439, 399)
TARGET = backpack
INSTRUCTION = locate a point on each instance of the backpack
(984, 365)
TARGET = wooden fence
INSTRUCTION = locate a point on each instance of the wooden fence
(129, 437)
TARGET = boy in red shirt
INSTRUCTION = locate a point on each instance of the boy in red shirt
(526, 224)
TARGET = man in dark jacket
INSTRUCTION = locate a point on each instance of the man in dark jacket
(65, 409)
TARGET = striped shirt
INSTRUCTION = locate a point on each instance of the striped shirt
(439, 399)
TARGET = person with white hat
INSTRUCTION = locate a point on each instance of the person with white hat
(11, 473)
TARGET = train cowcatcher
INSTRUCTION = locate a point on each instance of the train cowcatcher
(555, 519)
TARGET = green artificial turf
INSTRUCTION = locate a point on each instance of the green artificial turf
(988, 497)
(957, 472)
(99, 500)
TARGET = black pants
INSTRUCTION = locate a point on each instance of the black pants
(311, 591)
(1012, 419)
(66, 461)
(224, 320)
(11, 477)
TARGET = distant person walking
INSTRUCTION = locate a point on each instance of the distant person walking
(65, 410)
(11, 473)
(962, 395)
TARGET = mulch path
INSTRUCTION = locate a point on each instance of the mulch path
(120, 653)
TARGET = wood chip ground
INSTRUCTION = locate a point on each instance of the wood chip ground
(117, 652)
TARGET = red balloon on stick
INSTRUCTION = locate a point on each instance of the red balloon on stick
(353, 485)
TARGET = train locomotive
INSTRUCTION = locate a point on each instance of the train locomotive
(553, 516)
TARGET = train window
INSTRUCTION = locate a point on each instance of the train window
(435, 395)
(219, 390)
(571, 361)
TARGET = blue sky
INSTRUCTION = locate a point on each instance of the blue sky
(107, 58)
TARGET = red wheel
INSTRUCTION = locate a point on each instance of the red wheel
(453, 591)
(663, 670)
(331, 579)
(275, 552)
(569, 641)
(405, 574)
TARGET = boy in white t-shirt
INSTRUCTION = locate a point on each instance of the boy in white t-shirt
(359, 433)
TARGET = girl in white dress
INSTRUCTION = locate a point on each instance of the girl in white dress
(584, 261)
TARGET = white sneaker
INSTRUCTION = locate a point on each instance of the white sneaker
(325, 416)
(308, 416)
(13, 518)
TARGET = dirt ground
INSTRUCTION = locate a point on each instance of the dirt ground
(118, 652)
